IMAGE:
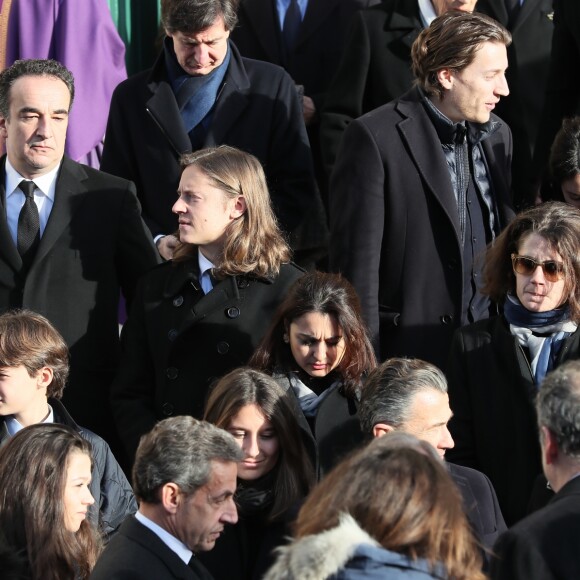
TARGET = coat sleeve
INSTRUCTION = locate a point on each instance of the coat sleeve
(461, 424)
(357, 216)
(346, 94)
(136, 253)
(517, 557)
(133, 390)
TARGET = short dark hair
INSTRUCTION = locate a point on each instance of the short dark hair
(559, 224)
(327, 294)
(30, 340)
(190, 16)
(565, 152)
(32, 68)
(180, 450)
(558, 406)
(451, 41)
(390, 388)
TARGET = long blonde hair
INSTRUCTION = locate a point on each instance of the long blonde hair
(254, 244)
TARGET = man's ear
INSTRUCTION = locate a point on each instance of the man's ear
(239, 208)
(170, 497)
(549, 446)
(445, 78)
(3, 129)
(44, 377)
(381, 429)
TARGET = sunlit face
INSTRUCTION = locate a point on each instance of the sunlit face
(202, 52)
(472, 93)
(534, 291)
(442, 6)
(571, 190)
(204, 212)
(77, 497)
(429, 414)
(23, 396)
(200, 518)
(35, 131)
(316, 342)
(256, 436)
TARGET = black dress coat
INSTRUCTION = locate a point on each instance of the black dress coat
(375, 68)
(95, 244)
(395, 230)
(563, 86)
(494, 424)
(543, 546)
(527, 76)
(257, 111)
(136, 553)
(177, 341)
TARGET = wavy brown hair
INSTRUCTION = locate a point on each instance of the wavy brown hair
(451, 42)
(559, 224)
(295, 469)
(402, 496)
(326, 294)
(254, 244)
(30, 340)
(33, 469)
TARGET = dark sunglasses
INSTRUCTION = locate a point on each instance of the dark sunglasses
(553, 271)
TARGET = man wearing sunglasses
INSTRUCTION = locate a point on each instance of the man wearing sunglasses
(421, 186)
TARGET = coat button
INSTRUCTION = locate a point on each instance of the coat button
(172, 334)
(178, 301)
(167, 409)
(171, 373)
(447, 319)
(223, 347)
(232, 312)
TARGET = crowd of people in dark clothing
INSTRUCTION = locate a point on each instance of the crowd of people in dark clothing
(316, 312)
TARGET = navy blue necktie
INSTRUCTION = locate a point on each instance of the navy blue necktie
(291, 28)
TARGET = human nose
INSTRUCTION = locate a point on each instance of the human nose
(446, 441)
(250, 446)
(537, 276)
(88, 498)
(178, 206)
(319, 351)
(200, 53)
(502, 88)
(230, 514)
(44, 127)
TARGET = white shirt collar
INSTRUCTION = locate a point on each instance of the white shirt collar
(169, 540)
(46, 183)
(427, 12)
(13, 425)
(204, 263)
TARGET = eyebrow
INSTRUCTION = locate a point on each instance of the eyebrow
(305, 335)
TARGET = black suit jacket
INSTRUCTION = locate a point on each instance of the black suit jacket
(257, 111)
(480, 502)
(395, 230)
(95, 244)
(136, 553)
(375, 68)
(563, 87)
(527, 76)
(543, 546)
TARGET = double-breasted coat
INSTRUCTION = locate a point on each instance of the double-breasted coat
(178, 341)
(395, 230)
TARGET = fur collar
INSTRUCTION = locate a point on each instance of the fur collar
(322, 555)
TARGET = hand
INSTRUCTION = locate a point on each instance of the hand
(166, 245)
(308, 110)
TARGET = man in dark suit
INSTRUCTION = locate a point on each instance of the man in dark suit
(185, 478)
(531, 25)
(410, 395)
(71, 237)
(563, 86)
(202, 93)
(544, 546)
(376, 63)
(310, 56)
(421, 186)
